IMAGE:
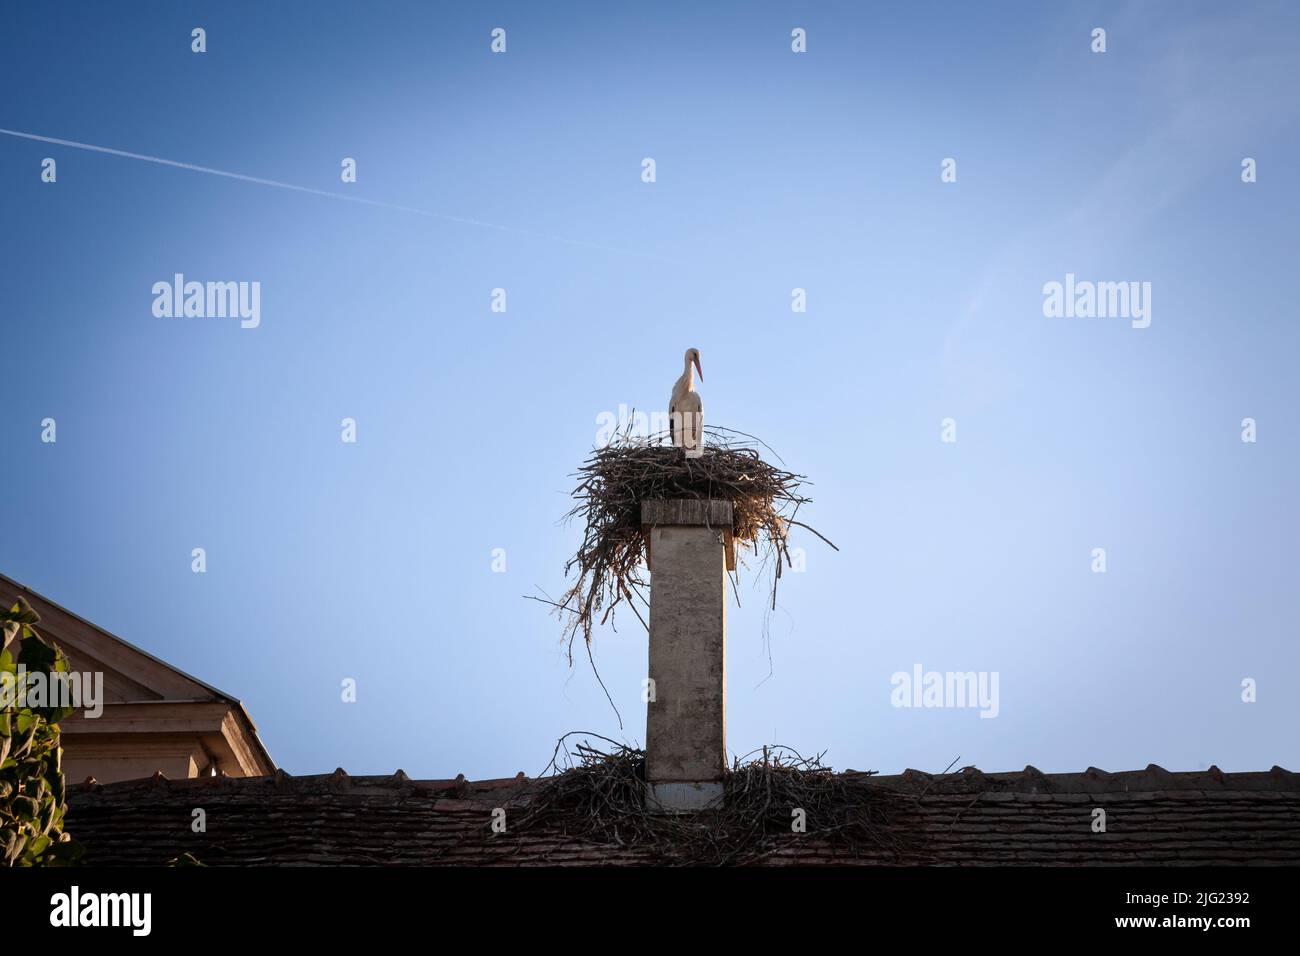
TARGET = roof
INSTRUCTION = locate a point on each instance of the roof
(1153, 817)
(41, 603)
(136, 682)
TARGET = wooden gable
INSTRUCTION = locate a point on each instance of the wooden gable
(155, 717)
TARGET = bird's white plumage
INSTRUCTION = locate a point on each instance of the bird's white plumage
(686, 410)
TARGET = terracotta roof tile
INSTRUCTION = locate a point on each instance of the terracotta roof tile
(969, 817)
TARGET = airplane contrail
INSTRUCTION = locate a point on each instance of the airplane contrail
(90, 147)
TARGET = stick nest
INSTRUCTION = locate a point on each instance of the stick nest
(600, 798)
(610, 565)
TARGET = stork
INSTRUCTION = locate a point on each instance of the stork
(686, 411)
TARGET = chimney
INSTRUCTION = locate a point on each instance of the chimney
(689, 549)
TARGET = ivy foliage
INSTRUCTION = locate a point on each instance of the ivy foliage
(32, 787)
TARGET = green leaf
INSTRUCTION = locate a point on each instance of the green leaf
(57, 715)
(24, 807)
(14, 846)
(21, 613)
(38, 655)
(66, 852)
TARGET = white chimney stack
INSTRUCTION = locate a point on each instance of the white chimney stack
(689, 550)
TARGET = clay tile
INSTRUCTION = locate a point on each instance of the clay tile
(1096, 773)
(1156, 770)
(973, 776)
(1033, 777)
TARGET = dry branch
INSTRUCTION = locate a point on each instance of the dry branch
(600, 798)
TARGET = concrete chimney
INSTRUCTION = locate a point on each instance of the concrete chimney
(689, 550)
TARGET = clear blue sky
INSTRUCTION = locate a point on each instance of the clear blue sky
(775, 170)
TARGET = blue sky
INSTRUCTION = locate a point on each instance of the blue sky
(775, 170)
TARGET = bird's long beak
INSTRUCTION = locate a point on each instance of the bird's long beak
(696, 360)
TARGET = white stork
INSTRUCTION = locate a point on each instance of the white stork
(686, 411)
